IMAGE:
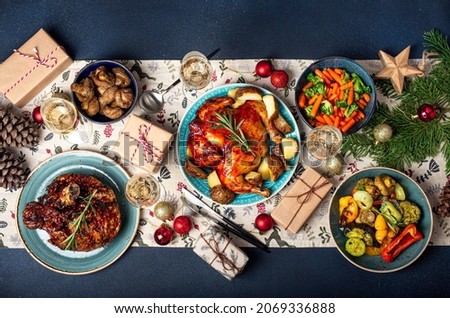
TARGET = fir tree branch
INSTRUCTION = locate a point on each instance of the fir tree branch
(436, 42)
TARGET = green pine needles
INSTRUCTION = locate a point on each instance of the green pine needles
(413, 140)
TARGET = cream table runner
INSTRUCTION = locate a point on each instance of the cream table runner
(157, 75)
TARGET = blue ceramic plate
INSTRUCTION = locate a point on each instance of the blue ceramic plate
(413, 193)
(351, 67)
(71, 262)
(85, 71)
(201, 185)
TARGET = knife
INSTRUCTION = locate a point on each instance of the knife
(224, 222)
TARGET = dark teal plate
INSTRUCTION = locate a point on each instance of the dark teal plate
(413, 193)
(70, 262)
(201, 185)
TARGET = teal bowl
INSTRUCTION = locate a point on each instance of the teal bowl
(350, 66)
(413, 193)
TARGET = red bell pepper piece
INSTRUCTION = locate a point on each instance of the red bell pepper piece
(407, 237)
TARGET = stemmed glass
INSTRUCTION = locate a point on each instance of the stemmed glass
(61, 116)
(196, 74)
(322, 145)
(143, 190)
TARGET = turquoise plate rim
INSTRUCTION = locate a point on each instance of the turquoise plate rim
(69, 262)
(376, 264)
(201, 186)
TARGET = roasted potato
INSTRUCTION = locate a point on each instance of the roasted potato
(213, 179)
(271, 106)
(276, 167)
(248, 93)
(282, 125)
(263, 169)
(194, 171)
(289, 147)
(254, 178)
(221, 194)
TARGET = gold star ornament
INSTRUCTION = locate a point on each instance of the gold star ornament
(396, 69)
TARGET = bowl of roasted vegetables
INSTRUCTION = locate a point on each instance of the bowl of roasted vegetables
(380, 220)
(105, 91)
(336, 91)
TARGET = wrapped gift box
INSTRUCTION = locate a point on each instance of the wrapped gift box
(143, 144)
(301, 200)
(31, 68)
(220, 253)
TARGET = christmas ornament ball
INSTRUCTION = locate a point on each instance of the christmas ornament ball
(279, 79)
(164, 210)
(264, 68)
(382, 132)
(263, 222)
(163, 235)
(182, 224)
(37, 116)
(427, 112)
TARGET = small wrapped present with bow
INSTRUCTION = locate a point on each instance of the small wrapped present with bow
(220, 253)
(31, 68)
(301, 200)
(143, 144)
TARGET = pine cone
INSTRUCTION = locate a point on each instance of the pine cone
(16, 131)
(443, 208)
(12, 174)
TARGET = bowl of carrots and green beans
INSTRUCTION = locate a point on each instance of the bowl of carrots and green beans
(336, 91)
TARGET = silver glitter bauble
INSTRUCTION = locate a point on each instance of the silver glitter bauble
(382, 133)
(164, 210)
(334, 166)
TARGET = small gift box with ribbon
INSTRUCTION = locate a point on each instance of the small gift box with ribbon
(143, 144)
(31, 68)
(301, 200)
(220, 253)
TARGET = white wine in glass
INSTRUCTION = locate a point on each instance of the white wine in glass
(195, 72)
(62, 117)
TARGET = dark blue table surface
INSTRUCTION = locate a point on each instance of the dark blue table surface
(166, 29)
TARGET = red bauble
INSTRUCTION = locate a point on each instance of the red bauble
(427, 112)
(182, 224)
(279, 79)
(37, 117)
(264, 222)
(264, 68)
(163, 235)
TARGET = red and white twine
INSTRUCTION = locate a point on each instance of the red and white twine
(39, 62)
(151, 153)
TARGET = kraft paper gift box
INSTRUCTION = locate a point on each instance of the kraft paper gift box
(143, 144)
(220, 253)
(301, 200)
(31, 68)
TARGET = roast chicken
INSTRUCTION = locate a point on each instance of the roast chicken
(65, 202)
(212, 146)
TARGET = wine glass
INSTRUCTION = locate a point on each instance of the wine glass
(196, 74)
(143, 190)
(61, 116)
(322, 145)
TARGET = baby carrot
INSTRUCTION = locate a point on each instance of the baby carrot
(316, 106)
(313, 99)
(320, 119)
(308, 85)
(348, 125)
(335, 76)
(323, 76)
(346, 85)
(366, 97)
(328, 120)
(341, 95)
(302, 100)
(337, 120)
(351, 95)
(338, 71)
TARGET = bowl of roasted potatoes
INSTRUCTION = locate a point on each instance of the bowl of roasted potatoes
(104, 91)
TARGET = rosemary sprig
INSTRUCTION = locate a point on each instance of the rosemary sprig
(71, 241)
(229, 123)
